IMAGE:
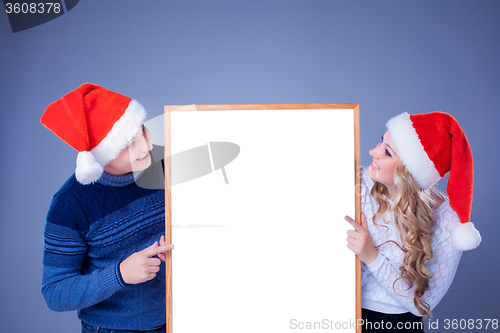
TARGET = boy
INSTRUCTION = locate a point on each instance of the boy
(101, 254)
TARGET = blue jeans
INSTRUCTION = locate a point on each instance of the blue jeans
(86, 328)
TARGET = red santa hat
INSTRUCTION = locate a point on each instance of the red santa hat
(431, 145)
(97, 122)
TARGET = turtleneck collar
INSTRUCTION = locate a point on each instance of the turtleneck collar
(118, 181)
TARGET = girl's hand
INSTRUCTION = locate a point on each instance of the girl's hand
(142, 266)
(360, 242)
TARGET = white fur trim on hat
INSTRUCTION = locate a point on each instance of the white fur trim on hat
(465, 237)
(90, 164)
(120, 134)
(411, 151)
(88, 170)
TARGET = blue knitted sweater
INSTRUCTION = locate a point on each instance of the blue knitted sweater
(90, 230)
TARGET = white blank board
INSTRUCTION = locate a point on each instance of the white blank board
(266, 252)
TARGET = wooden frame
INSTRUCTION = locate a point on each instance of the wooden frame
(254, 107)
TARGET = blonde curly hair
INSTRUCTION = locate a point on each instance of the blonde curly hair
(413, 212)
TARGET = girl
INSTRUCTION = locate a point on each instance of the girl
(411, 236)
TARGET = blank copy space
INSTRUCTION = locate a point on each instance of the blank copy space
(269, 247)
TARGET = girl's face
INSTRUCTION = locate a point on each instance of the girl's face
(135, 157)
(385, 159)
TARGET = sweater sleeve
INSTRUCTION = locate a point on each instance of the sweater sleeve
(64, 286)
(443, 266)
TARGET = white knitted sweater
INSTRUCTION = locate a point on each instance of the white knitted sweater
(378, 277)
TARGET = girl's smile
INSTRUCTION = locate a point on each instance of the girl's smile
(384, 162)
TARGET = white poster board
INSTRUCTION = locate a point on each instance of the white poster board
(257, 200)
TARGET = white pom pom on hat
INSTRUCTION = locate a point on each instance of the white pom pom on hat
(87, 168)
(465, 237)
(97, 122)
(430, 145)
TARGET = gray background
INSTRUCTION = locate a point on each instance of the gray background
(389, 56)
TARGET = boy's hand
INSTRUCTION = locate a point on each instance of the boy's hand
(162, 242)
(142, 266)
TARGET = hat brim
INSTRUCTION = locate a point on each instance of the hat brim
(411, 151)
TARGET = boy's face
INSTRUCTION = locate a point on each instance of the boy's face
(135, 157)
